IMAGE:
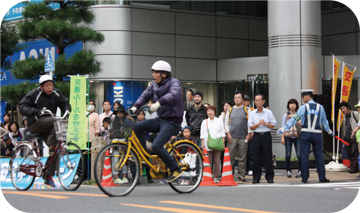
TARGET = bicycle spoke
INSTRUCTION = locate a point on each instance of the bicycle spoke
(19, 179)
(70, 167)
(190, 160)
(115, 173)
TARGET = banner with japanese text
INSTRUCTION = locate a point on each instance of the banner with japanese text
(24, 179)
(334, 86)
(345, 90)
(77, 119)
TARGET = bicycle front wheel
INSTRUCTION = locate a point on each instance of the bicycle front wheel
(71, 167)
(191, 163)
(115, 173)
(24, 160)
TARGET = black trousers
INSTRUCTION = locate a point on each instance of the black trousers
(262, 148)
(353, 154)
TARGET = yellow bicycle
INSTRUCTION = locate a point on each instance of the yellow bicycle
(126, 157)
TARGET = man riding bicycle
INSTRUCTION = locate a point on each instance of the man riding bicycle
(45, 96)
(166, 92)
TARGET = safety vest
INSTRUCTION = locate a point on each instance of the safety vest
(312, 118)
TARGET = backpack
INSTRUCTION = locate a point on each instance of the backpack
(247, 114)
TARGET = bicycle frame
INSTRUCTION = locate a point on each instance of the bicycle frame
(134, 143)
(31, 169)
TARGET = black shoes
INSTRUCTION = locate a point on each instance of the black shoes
(304, 181)
(150, 180)
(270, 181)
(255, 181)
(324, 181)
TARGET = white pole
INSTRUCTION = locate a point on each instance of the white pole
(333, 103)
(342, 81)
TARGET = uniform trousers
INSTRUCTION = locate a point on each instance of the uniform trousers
(314, 139)
(262, 148)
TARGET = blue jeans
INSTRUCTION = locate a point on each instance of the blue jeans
(166, 129)
(288, 149)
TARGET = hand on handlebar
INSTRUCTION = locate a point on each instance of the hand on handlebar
(155, 107)
(38, 113)
(133, 109)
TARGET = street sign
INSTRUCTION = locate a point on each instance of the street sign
(49, 64)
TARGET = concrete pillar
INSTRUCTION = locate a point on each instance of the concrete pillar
(295, 60)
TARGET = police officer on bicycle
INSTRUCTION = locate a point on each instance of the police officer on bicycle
(45, 96)
(166, 92)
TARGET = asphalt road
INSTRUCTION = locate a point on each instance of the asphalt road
(260, 198)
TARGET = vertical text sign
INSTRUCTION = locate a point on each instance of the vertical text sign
(77, 119)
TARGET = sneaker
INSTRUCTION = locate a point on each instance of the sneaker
(49, 181)
(174, 175)
(298, 175)
(124, 180)
(118, 180)
(288, 174)
(250, 172)
(182, 182)
(216, 180)
(187, 182)
(162, 181)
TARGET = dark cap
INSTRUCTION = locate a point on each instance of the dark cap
(5, 137)
(199, 93)
(246, 97)
(187, 127)
(120, 108)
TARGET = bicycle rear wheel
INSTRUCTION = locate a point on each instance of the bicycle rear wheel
(70, 167)
(18, 165)
(107, 166)
(193, 173)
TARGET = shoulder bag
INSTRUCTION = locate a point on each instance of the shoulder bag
(214, 144)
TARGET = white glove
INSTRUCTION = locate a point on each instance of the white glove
(280, 131)
(133, 109)
(330, 132)
(155, 107)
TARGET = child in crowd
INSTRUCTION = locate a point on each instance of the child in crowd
(120, 128)
(189, 159)
(105, 130)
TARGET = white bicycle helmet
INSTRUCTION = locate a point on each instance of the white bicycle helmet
(161, 66)
(44, 78)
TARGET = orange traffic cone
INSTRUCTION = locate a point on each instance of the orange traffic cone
(227, 178)
(207, 176)
(107, 176)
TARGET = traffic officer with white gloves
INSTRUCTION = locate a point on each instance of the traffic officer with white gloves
(312, 116)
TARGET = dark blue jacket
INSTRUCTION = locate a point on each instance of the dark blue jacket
(168, 93)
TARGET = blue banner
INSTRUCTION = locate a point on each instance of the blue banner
(126, 92)
(24, 179)
(33, 50)
(15, 12)
(2, 110)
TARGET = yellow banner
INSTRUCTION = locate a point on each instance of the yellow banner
(345, 90)
(334, 86)
(77, 119)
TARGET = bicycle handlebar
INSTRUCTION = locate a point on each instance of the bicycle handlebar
(46, 111)
(137, 112)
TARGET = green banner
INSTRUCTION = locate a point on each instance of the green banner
(77, 119)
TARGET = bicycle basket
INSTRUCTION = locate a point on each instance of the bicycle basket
(61, 129)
